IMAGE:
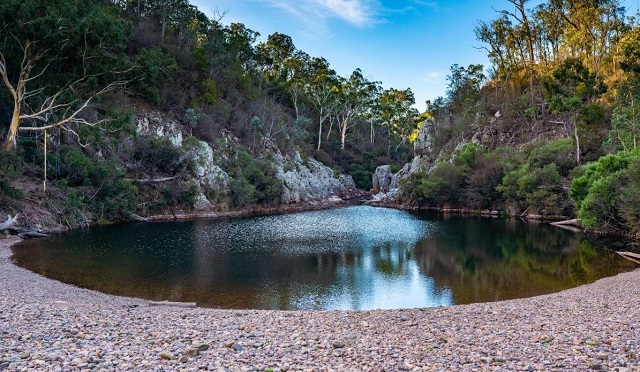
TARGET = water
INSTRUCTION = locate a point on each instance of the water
(348, 258)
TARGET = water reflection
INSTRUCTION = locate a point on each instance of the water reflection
(349, 258)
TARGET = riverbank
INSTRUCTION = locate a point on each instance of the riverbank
(49, 325)
(332, 202)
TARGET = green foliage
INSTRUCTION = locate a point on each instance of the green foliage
(630, 199)
(10, 168)
(590, 173)
(254, 181)
(106, 192)
(156, 69)
(606, 193)
(362, 176)
(538, 190)
(210, 92)
(440, 188)
(560, 152)
(469, 181)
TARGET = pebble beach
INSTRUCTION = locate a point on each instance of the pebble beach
(48, 325)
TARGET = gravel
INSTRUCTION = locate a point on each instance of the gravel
(48, 325)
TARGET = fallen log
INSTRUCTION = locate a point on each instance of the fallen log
(172, 304)
(574, 222)
(635, 257)
(137, 218)
(26, 233)
(570, 228)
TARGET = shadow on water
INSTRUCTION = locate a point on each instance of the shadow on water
(349, 258)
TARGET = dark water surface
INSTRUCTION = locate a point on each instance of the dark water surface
(348, 258)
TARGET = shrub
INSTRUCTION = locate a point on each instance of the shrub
(159, 155)
(606, 193)
(108, 194)
(254, 181)
(10, 164)
(560, 152)
(362, 177)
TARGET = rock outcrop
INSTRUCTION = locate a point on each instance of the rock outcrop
(305, 181)
(158, 124)
(386, 183)
(209, 176)
(309, 181)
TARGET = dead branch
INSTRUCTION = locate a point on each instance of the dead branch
(9, 222)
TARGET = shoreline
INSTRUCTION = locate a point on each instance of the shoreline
(329, 203)
(49, 325)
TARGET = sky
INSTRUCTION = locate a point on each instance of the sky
(401, 43)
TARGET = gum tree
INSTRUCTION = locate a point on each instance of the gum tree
(55, 59)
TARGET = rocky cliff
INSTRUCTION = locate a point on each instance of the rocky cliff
(309, 181)
(305, 180)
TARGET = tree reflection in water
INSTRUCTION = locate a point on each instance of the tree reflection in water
(348, 258)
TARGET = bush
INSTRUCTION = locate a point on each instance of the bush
(362, 177)
(254, 181)
(108, 194)
(482, 182)
(159, 155)
(607, 193)
(442, 187)
(537, 190)
(10, 164)
(560, 152)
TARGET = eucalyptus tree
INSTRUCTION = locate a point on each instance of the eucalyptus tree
(55, 59)
(625, 119)
(275, 51)
(592, 28)
(394, 111)
(356, 96)
(297, 73)
(321, 90)
(570, 90)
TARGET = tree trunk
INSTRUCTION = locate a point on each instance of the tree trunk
(164, 21)
(319, 133)
(575, 134)
(11, 142)
(343, 136)
(373, 133)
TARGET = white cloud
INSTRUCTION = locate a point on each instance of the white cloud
(357, 12)
(360, 13)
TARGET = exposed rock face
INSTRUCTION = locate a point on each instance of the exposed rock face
(310, 181)
(386, 183)
(159, 125)
(305, 181)
(209, 176)
(382, 178)
(424, 144)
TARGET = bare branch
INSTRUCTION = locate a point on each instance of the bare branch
(5, 77)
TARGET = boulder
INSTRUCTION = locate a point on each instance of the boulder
(382, 178)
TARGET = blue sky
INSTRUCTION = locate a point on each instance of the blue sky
(402, 43)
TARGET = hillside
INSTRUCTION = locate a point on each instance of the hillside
(150, 108)
(129, 109)
(550, 132)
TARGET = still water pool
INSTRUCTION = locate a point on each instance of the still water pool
(355, 257)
